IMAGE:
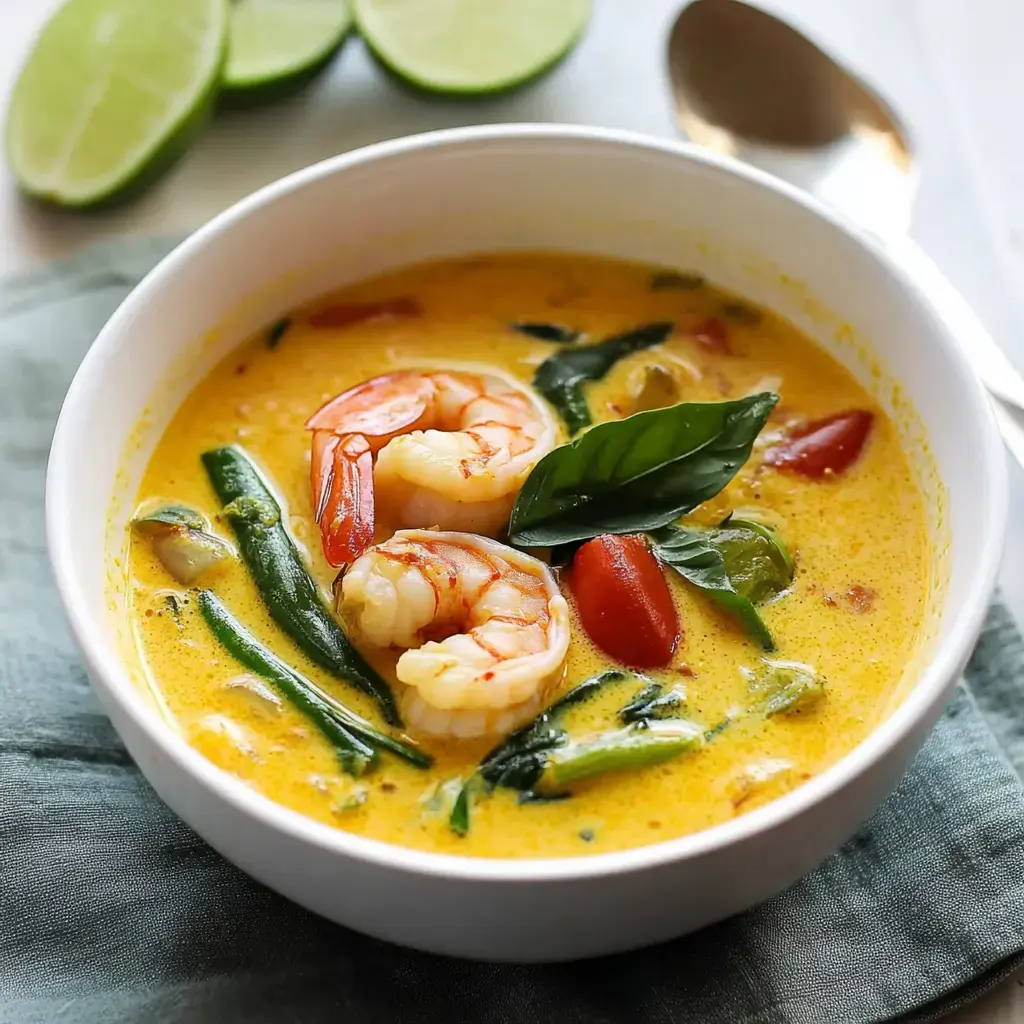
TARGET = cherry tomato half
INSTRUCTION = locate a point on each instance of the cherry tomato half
(824, 446)
(713, 335)
(347, 314)
(624, 602)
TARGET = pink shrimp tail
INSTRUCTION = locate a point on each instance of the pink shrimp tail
(342, 486)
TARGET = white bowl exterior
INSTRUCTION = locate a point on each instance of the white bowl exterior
(472, 190)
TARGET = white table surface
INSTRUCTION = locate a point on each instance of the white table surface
(951, 68)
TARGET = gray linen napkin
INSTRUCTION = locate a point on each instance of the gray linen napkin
(112, 911)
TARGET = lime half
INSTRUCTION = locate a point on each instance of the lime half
(111, 93)
(470, 46)
(277, 45)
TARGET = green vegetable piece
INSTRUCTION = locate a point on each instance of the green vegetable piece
(560, 378)
(180, 539)
(652, 702)
(459, 819)
(518, 761)
(276, 331)
(787, 686)
(555, 333)
(356, 799)
(672, 280)
(354, 755)
(696, 556)
(639, 473)
(741, 313)
(256, 512)
(284, 583)
(302, 692)
(170, 515)
(619, 750)
(757, 562)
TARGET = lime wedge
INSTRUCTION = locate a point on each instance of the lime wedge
(112, 92)
(277, 45)
(470, 46)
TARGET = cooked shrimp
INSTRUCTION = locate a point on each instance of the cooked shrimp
(484, 627)
(452, 450)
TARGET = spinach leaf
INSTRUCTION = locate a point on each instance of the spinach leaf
(758, 564)
(787, 686)
(650, 703)
(637, 474)
(519, 761)
(555, 333)
(560, 378)
(699, 562)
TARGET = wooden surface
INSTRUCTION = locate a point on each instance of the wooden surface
(952, 69)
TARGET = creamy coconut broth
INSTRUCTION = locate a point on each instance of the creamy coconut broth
(726, 573)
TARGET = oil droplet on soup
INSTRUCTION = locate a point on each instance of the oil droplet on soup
(853, 611)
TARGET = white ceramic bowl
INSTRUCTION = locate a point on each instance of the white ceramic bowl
(520, 187)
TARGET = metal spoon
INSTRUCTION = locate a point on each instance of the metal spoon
(749, 86)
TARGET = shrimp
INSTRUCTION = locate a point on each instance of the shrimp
(484, 627)
(452, 450)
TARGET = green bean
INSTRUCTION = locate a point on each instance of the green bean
(284, 583)
(343, 727)
(618, 750)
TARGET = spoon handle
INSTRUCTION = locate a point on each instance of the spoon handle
(986, 357)
(1000, 377)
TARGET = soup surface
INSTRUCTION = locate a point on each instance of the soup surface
(835, 565)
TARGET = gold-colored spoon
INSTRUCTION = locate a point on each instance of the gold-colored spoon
(749, 86)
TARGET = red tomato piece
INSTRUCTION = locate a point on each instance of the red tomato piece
(824, 446)
(348, 314)
(624, 601)
(712, 334)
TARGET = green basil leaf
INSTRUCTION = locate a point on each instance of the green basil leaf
(560, 378)
(694, 555)
(554, 333)
(636, 474)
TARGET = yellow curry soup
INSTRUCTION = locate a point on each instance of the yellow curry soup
(851, 614)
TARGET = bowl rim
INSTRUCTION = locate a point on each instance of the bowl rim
(109, 672)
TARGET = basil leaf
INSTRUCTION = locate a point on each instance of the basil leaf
(637, 474)
(694, 555)
(560, 378)
(555, 333)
